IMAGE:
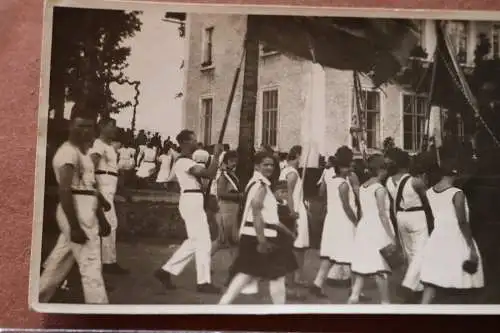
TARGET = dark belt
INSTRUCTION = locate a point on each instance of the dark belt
(266, 225)
(193, 191)
(412, 209)
(83, 192)
(101, 172)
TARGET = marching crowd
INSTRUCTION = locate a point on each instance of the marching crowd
(392, 218)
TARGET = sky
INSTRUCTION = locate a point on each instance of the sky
(156, 55)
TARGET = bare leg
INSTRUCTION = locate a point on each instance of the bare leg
(356, 289)
(299, 274)
(235, 287)
(324, 268)
(277, 290)
(383, 288)
(429, 294)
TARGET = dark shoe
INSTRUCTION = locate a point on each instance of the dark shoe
(165, 278)
(316, 291)
(114, 269)
(207, 288)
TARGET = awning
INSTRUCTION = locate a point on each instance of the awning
(378, 47)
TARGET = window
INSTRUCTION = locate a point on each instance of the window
(206, 109)
(207, 51)
(495, 40)
(370, 116)
(458, 31)
(460, 128)
(270, 117)
(414, 110)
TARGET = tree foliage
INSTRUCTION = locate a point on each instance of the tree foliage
(88, 54)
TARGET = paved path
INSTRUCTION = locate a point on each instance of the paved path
(140, 287)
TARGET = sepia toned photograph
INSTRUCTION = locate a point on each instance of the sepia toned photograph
(246, 159)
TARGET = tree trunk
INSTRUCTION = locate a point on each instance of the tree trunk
(248, 105)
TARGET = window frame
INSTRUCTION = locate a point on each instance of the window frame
(416, 139)
(263, 110)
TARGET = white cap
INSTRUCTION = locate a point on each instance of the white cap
(201, 156)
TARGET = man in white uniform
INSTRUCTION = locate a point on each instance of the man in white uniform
(105, 158)
(76, 216)
(198, 244)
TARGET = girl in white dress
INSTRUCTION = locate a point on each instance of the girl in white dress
(450, 247)
(165, 160)
(373, 233)
(147, 161)
(297, 206)
(337, 239)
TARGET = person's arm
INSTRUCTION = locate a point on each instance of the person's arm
(381, 196)
(66, 174)
(344, 198)
(459, 203)
(322, 188)
(257, 204)
(291, 180)
(286, 230)
(222, 190)
(420, 188)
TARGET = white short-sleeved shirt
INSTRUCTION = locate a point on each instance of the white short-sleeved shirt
(186, 180)
(84, 177)
(109, 157)
(126, 160)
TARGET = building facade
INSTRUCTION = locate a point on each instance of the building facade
(299, 102)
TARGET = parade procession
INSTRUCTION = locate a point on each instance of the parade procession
(319, 160)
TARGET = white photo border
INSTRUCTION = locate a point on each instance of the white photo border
(233, 309)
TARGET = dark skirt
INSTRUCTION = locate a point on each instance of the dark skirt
(280, 262)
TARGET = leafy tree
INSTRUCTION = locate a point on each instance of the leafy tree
(87, 55)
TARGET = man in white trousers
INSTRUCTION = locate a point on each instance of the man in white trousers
(76, 216)
(105, 160)
(191, 207)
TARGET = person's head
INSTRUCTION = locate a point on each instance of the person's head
(281, 190)
(107, 128)
(264, 163)
(227, 147)
(449, 168)
(343, 159)
(294, 155)
(230, 159)
(377, 166)
(187, 141)
(150, 144)
(82, 125)
(330, 163)
(390, 157)
(402, 160)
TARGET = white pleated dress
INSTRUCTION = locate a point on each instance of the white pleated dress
(337, 238)
(446, 250)
(370, 235)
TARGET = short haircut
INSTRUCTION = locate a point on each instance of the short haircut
(230, 154)
(105, 121)
(80, 110)
(261, 156)
(183, 136)
(294, 153)
(449, 167)
(343, 157)
(375, 163)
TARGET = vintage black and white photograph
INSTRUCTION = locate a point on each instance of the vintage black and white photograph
(226, 159)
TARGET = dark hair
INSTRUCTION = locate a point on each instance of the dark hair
(261, 156)
(449, 167)
(375, 163)
(184, 136)
(105, 121)
(230, 154)
(343, 157)
(401, 158)
(80, 110)
(294, 153)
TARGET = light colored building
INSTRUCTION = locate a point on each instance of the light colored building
(299, 102)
